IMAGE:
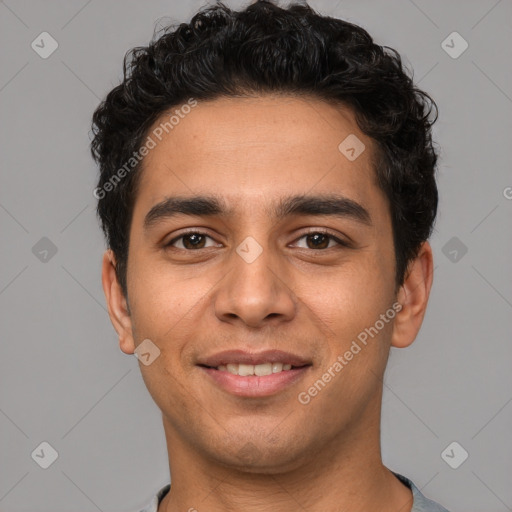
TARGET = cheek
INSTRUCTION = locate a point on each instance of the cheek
(355, 341)
(162, 311)
(346, 306)
(160, 299)
(352, 295)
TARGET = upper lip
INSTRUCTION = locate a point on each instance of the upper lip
(244, 357)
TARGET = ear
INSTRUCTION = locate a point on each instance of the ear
(117, 303)
(413, 296)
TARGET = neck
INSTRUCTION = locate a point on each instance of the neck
(344, 474)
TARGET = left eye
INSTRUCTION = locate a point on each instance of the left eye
(320, 239)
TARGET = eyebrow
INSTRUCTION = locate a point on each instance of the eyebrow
(210, 206)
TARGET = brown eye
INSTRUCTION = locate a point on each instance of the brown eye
(190, 241)
(320, 240)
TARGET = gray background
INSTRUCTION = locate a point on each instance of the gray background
(63, 378)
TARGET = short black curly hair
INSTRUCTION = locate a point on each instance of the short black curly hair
(268, 49)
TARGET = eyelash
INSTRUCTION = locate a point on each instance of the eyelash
(340, 242)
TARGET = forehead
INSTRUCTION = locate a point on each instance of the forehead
(257, 148)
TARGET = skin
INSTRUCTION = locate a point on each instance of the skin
(230, 453)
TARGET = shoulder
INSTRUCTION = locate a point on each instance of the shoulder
(421, 503)
(157, 498)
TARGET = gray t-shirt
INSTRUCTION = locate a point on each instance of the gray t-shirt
(420, 504)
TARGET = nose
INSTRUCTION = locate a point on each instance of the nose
(255, 293)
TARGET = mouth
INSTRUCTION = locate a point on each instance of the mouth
(258, 370)
(250, 374)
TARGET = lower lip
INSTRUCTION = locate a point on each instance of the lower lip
(254, 386)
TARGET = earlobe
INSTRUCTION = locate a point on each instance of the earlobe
(116, 303)
(413, 297)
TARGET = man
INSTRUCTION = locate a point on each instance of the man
(267, 191)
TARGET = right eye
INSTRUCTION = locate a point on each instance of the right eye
(192, 240)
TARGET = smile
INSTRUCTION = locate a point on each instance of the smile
(261, 380)
(245, 370)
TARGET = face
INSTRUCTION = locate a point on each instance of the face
(284, 243)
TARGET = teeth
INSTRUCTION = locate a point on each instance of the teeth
(245, 369)
(263, 369)
(277, 367)
(260, 370)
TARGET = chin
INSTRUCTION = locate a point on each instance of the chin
(262, 457)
